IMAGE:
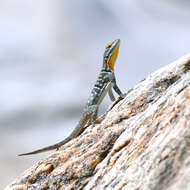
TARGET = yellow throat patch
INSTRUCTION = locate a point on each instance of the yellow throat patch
(111, 61)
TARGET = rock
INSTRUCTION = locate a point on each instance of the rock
(143, 142)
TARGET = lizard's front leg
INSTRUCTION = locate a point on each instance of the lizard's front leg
(116, 88)
(112, 98)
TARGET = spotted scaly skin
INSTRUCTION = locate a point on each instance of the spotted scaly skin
(104, 84)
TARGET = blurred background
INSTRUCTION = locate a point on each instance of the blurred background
(51, 53)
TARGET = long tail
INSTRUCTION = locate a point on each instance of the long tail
(48, 148)
(77, 131)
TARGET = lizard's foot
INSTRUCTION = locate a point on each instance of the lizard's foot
(122, 96)
(100, 119)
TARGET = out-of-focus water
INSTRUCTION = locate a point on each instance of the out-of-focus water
(51, 53)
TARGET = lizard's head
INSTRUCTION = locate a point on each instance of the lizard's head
(110, 54)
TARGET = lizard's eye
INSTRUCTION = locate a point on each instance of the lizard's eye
(109, 45)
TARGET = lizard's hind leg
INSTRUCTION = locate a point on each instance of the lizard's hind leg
(93, 111)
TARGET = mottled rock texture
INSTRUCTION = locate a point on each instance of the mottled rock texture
(143, 143)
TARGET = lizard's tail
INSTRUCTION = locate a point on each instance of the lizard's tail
(48, 148)
(77, 131)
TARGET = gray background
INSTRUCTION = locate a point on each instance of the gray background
(51, 53)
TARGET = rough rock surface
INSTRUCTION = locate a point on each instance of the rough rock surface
(143, 143)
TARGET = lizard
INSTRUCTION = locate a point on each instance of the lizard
(104, 84)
